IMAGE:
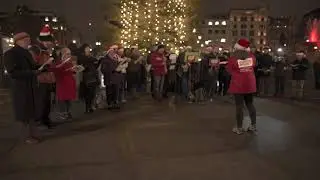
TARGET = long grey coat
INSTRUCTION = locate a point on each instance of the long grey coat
(20, 66)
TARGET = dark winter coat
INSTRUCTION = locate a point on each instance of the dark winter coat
(280, 68)
(90, 75)
(109, 65)
(299, 69)
(264, 63)
(21, 69)
(205, 67)
(241, 67)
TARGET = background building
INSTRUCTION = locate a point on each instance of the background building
(281, 33)
(215, 30)
(311, 28)
(31, 21)
(251, 24)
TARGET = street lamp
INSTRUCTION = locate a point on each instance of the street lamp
(280, 50)
(98, 43)
(74, 41)
(315, 48)
(90, 24)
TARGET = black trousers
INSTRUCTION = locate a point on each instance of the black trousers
(223, 84)
(43, 103)
(89, 95)
(240, 100)
(112, 93)
(279, 85)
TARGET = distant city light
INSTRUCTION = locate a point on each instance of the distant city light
(98, 43)
(216, 23)
(202, 45)
(285, 45)
(224, 23)
(315, 48)
(74, 41)
(194, 30)
(46, 19)
(90, 24)
(210, 23)
(199, 37)
(54, 19)
(280, 50)
(223, 40)
(220, 49)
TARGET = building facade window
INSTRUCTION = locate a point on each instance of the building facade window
(243, 26)
(251, 26)
(223, 31)
(243, 33)
(234, 33)
(252, 18)
(251, 33)
(216, 31)
(210, 31)
(243, 19)
(235, 26)
(261, 41)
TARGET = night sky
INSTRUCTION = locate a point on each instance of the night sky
(79, 14)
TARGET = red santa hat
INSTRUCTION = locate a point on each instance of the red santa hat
(242, 44)
(45, 34)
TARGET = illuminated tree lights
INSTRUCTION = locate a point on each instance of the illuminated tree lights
(149, 22)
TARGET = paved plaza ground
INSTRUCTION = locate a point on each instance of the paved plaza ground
(151, 141)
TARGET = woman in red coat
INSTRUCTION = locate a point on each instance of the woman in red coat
(243, 83)
(65, 83)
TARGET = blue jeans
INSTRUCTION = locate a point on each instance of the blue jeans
(158, 82)
(185, 88)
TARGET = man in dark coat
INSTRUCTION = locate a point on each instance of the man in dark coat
(299, 70)
(22, 71)
(112, 77)
(264, 65)
(316, 71)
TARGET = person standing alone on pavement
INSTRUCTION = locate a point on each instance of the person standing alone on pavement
(243, 83)
(23, 71)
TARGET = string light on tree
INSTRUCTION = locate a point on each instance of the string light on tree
(149, 22)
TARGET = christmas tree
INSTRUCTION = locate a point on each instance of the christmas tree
(148, 22)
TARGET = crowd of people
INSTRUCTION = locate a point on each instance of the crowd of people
(39, 69)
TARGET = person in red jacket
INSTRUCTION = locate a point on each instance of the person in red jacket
(159, 70)
(243, 83)
(65, 83)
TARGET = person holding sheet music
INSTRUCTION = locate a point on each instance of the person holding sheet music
(243, 83)
(66, 88)
(42, 51)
